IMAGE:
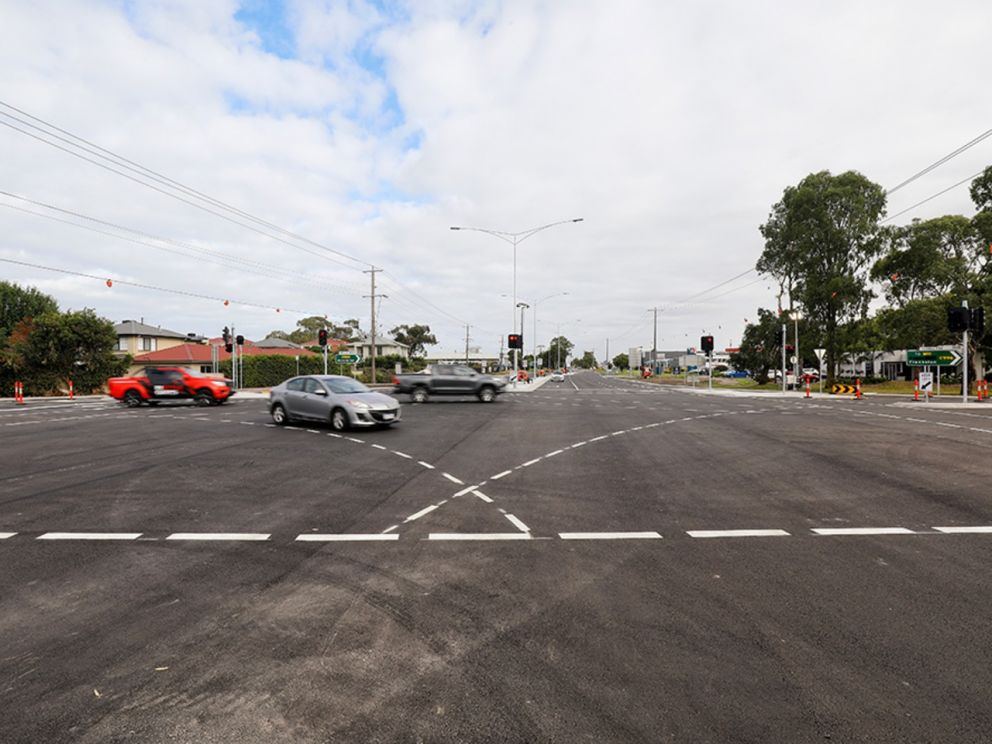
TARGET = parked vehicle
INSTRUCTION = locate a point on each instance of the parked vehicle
(168, 383)
(557, 376)
(341, 401)
(448, 379)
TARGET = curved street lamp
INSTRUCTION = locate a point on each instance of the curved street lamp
(514, 238)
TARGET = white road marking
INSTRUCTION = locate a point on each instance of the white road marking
(250, 536)
(422, 512)
(345, 538)
(453, 479)
(5, 535)
(517, 523)
(500, 475)
(403, 454)
(967, 530)
(336, 436)
(483, 496)
(425, 464)
(555, 452)
(357, 441)
(579, 444)
(479, 536)
(737, 533)
(390, 529)
(530, 462)
(863, 531)
(598, 439)
(465, 491)
(312, 431)
(949, 426)
(609, 535)
(378, 446)
(90, 536)
(618, 433)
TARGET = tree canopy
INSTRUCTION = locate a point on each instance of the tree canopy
(417, 337)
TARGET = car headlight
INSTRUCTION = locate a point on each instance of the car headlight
(359, 404)
(220, 384)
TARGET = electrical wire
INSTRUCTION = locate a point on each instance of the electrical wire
(949, 156)
(930, 198)
(152, 287)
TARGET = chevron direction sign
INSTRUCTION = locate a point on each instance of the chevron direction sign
(836, 389)
(932, 358)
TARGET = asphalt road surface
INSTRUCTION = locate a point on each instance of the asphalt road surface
(599, 561)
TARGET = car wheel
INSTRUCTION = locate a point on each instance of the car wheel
(279, 415)
(204, 398)
(419, 395)
(487, 394)
(339, 419)
(132, 399)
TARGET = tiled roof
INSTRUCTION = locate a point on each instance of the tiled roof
(134, 328)
(200, 354)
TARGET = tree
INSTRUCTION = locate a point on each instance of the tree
(761, 347)
(417, 337)
(981, 191)
(587, 361)
(18, 303)
(820, 242)
(556, 355)
(307, 329)
(53, 348)
(621, 361)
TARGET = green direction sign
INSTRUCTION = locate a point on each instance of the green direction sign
(932, 358)
(347, 358)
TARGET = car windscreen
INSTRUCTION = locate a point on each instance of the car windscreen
(344, 385)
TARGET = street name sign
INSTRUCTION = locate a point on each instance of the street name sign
(347, 358)
(932, 358)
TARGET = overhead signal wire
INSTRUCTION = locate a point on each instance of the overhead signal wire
(155, 288)
(951, 155)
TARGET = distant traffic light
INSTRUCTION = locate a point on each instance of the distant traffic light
(322, 337)
(706, 344)
(227, 336)
(240, 340)
(228, 348)
(515, 341)
(958, 319)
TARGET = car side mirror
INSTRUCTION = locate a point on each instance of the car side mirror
(320, 391)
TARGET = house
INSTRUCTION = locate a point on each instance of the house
(135, 337)
(204, 358)
(476, 358)
(384, 346)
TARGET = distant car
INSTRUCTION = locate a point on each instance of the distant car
(557, 376)
(341, 401)
(448, 379)
(735, 373)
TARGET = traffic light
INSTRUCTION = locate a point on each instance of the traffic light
(240, 339)
(227, 336)
(958, 319)
(322, 337)
(978, 321)
(706, 344)
(228, 348)
(515, 341)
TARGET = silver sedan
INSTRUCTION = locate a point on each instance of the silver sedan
(341, 401)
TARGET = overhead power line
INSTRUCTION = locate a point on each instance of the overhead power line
(154, 288)
(932, 197)
(938, 163)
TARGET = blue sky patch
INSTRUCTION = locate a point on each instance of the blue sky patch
(268, 20)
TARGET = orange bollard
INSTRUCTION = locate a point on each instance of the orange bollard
(71, 397)
(857, 389)
(916, 390)
(19, 393)
(807, 387)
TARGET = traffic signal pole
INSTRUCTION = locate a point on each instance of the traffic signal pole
(964, 359)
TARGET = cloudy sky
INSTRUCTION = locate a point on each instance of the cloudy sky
(367, 129)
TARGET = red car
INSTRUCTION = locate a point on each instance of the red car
(168, 383)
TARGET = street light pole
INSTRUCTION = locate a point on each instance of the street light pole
(534, 342)
(523, 306)
(514, 239)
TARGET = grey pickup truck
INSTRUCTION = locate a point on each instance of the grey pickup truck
(448, 379)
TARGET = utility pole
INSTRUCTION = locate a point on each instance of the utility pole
(467, 326)
(501, 352)
(654, 347)
(608, 353)
(964, 359)
(785, 327)
(372, 298)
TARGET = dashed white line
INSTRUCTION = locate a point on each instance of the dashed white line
(579, 444)
(479, 536)
(464, 491)
(966, 530)
(425, 464)
(863, 531)
(356, 441)
(530, 462)
(90, 536)
(737, 533)
(598, 439)
(402, 454)
(422, 512)
(5, 535)
(517, 523)
(248, 536)
(483, 496)
(453, 479)
(379, 447)
(501, 475)
(553, 453)
(609, 535)
(346, 538)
